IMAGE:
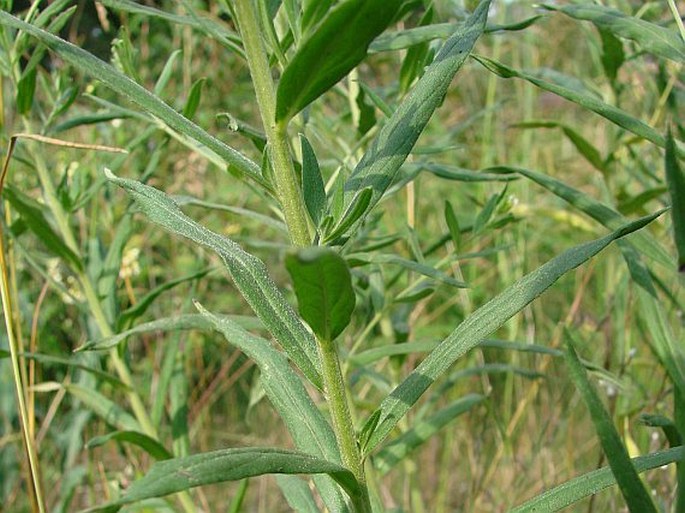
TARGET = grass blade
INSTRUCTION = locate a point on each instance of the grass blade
(652, 38)
(123, 85)
(178, 474)
(149, 445)
(330, 52)
(636, 496)
(593, 482)
(484, 321)
(248, 272)
(675, 178)
(389, 150)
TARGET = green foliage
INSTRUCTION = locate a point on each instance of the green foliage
(386, 245)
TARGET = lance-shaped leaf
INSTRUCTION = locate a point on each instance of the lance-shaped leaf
(600, 212)
(593, 482)
(652, 38)
(389, 150)
(248, 272)
(634, 493)
(483, 322)
(675, 178)
(331, 51)
(323, 287)
(584, 99)
(149, 445)
(313, 188)
(120, 83)
(178, 474)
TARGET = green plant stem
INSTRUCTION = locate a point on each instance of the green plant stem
(286, 184)
(343, 426)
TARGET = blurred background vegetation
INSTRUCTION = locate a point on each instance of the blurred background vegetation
(531, 433)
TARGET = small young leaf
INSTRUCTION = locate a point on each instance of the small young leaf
(675, 178)
(453, 225)
(25, 90)
(193, 101)
(357, 208)
(330, 52)
(312, 183)
(636, 496)
(613, 56)
(323, 287)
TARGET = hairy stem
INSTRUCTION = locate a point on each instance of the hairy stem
(334, 385)
(286, 183)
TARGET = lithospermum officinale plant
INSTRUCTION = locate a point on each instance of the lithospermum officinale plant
(312, 45)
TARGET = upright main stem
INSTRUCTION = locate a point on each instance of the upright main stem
(286, 184)
(343, 426)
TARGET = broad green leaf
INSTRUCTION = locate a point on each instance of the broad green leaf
(179, 474)
(103, 407)
(149, 445)
(397, 450)
(484, 321)
(584, 99)
(132, 313)
(636, 496)
(177, 322)
(389, 150)
(675, 178)
(652, 38)
(313, 11)
(323, 287)
(330, 52)
(313, 188)
(30, 212)
(120, 83)
(593, 482)
(600, 212)
(248, 272)
(411, 265)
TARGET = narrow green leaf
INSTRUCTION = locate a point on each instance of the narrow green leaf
(636, 496)
(613, 56)
(103, 407)
(194, 96)
(123, 85)
(411, 265)
(30, 212)
(323, 287)
(312, 183)
(652, 38)
(166, 73)
(389, 150)
(584, 99)
(26, 87)
(76, 364)
(330, 52)
(600, 212)
(149, 445)
(244, 212)
(593, 482)
(484, 321)
(397, 450)
(178, 474)
(248, 272)
(297, 494)
(177, 322)
(356, 209)
(135, 311)
(461, 174)
(667, 426)
(675, 178)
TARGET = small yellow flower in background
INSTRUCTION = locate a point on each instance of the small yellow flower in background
(129, 263)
